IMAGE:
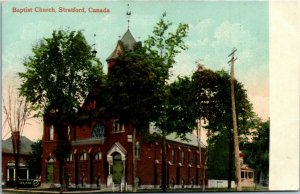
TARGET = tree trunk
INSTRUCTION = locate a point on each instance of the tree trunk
(202, 166)
(235, 131)
(16, 150)
(133, 161)
(164, 166)
(16, 158)
(61, 175)
(62, 149)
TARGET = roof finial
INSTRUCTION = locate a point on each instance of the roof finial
(128, 13)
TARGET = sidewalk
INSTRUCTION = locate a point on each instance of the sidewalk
(11, 190)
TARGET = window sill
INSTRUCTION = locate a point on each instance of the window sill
(116, 132)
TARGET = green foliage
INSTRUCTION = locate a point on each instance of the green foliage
(171, 112)
(34, 160)
(134, 88)
(213, 94)
(60, 73)
(257, 150)
(164, 45)
(57, 78)
(179, 109)
(214, 100)
(218, 158)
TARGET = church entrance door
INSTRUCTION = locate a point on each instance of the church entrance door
(50, 173)
(117, 168)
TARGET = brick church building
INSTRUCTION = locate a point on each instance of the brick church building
(101, 152)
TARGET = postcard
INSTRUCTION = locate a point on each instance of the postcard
(82, 79)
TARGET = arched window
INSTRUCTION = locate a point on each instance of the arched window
(193, 159)
(69, 158)
(182, 157)
(117, 126)
(98, 131)
(173, 156)
(137, 150)
(82, 156)
(98, 156)
(51, 132)
(69, 132)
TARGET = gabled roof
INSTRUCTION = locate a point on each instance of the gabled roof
(25, 145)
(126, 42)
(192, 138)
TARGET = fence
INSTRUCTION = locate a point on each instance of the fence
(219, 184)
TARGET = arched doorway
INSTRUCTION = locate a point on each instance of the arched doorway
(116, 158)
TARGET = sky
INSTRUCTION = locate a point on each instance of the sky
(215, 28)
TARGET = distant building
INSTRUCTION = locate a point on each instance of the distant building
(101, 153)
(247, 173)
(8, 162)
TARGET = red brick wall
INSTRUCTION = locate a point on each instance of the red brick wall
(150, 152)
(6, 157)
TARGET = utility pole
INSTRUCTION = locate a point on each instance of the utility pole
(234, 123)
(199, 128)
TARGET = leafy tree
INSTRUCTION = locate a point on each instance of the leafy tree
(177, 115)
(257, 150)
(34, 160)
(164, 46)
(57, 78)
(215, 106)
(134, 90)
(137, 86)
(218, 158)
(133, 87)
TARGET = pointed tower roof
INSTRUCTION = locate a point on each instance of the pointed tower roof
(127, 42)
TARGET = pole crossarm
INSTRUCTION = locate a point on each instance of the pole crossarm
(233, 51)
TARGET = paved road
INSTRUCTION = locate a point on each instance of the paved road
(20, 192)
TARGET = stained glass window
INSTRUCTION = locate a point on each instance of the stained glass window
(98, 131)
